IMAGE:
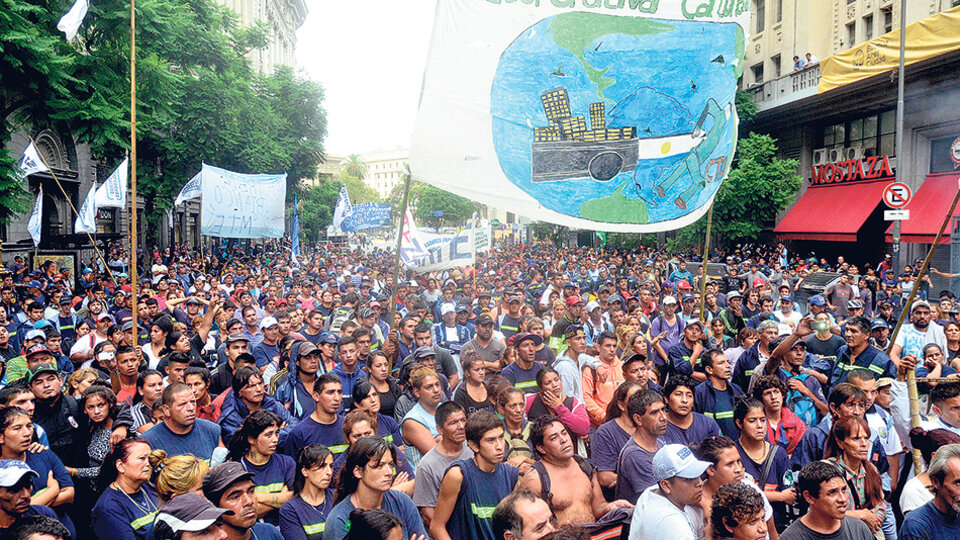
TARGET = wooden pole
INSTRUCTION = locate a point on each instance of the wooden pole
(134, 280)
(75, 213)
(912, 375)
(396, 260)
(706, 258)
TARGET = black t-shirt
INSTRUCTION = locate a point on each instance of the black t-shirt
(732, 283)
(824, 348)
(850, 529)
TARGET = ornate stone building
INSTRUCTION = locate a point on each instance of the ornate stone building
(283, 17)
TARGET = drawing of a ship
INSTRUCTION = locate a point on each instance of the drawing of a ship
(568, 150)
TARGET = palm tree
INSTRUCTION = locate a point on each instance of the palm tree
(353, 167)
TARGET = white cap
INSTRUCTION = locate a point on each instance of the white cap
(592, 305)
(677, 460)
(267, 322)
(669, 300)
(446, 307)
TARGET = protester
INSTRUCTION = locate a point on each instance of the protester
(304, 516)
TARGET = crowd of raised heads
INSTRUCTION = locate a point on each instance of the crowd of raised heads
(539, 393)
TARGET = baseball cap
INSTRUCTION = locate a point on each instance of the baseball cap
(424, 352)
(878, 324)
(817, 300)
(573, 331)
(12, 471)
(303, 349)
(66, 301)
(674, 460)
(190, 513)
(127, 326)
(38, 370)
(34, 284)
(484, 319)
(919, 303)
(733, 294)
(34, 334)
(328, 338)
(524, 336)
(669, 300)
(193, 301)
(221, 477)
(592, 305)
(683, 284)
(39, 348)
(267, 322)
(884, 382)
(757, 283)
(786, 298)
(574, 300)
(365, 313)
(446, 307)
(461, 308)
(237, 336)
(634, 358)
(687, 298)
(103, 316)
(697, 322)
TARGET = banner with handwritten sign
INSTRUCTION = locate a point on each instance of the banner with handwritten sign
(366, 216)
(613, 115)
(242, 205)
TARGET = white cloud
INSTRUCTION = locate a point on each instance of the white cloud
(369, 56)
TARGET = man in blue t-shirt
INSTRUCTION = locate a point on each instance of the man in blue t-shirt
(325, 424)
(229, 486)
(635, 465)
(181, 432)
(939, 516)
(684, 426)
(16, 486)
(523, 372)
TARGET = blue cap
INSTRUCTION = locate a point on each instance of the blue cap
(327, 337)
(786, 298)
(12, 471)
(569, 284)
(877, 324)
(34, 283)
(817, 300)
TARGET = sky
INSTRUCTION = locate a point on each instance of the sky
(369, 57)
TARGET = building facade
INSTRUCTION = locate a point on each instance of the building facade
(385, 169)
(782, 29)
(283, 17)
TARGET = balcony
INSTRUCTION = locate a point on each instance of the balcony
(785, 89)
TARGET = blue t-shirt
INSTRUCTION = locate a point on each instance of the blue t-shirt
(635, 470)
(202, 440)
(524, 379)
(701, 428)
(43, 463)
(927, 523)
(265, 531)
(389, 430)
(271, 477)
(119, 516)
(309, 431)
(606, 443)
(265, 354)
(394, 502)
(774, 480)
(479, 495)
(403, 464)
(300, 520)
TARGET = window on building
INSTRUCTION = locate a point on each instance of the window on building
(776, 65)
(757, 73)
(940, 161)
(851, 34)
(779, 10)
(887, 19)
(760, 8)
(875, 133)
(868, 27)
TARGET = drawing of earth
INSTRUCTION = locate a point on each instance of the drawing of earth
(673, 81)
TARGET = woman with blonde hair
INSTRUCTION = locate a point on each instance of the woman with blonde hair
(177, 475)
(80, 380)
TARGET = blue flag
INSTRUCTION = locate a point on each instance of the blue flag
(295, 235)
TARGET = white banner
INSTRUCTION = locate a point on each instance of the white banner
(86, 221)
(426, 252)
(612, 115)
(190, 190)
(344, 209)
(36, 218)
(70, 23)
(113, 192)
(239, 205)
(30, 162)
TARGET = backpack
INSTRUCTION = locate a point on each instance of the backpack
(801, 405)
(338, 317)
(614, 525)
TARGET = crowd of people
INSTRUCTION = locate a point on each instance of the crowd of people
(539, 393)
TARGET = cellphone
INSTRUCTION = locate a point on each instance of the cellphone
(819, 326)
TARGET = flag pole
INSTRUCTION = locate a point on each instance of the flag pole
(396, 260)
(65, 196)
(703, 265)
(134, 280)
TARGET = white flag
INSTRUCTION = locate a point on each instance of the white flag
(192, 189)
(344, 209)
(113, 192)
(70, 23)
(36, 218)
(86, 221)
(30, 162)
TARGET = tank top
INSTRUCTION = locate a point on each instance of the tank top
(478, 497)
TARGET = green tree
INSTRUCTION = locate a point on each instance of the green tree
(317, 204)
(426, 198)
(556, 234)
(353, 167)
(759, 186)
(358, 191)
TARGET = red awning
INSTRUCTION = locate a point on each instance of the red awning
(927, 208)
(832, 212)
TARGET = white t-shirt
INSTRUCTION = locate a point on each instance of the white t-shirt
(912, 341)
(656, 518)
(86, 343)
(914, 495)
(793, 318)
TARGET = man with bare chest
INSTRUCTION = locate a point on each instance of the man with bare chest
(566, 481)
